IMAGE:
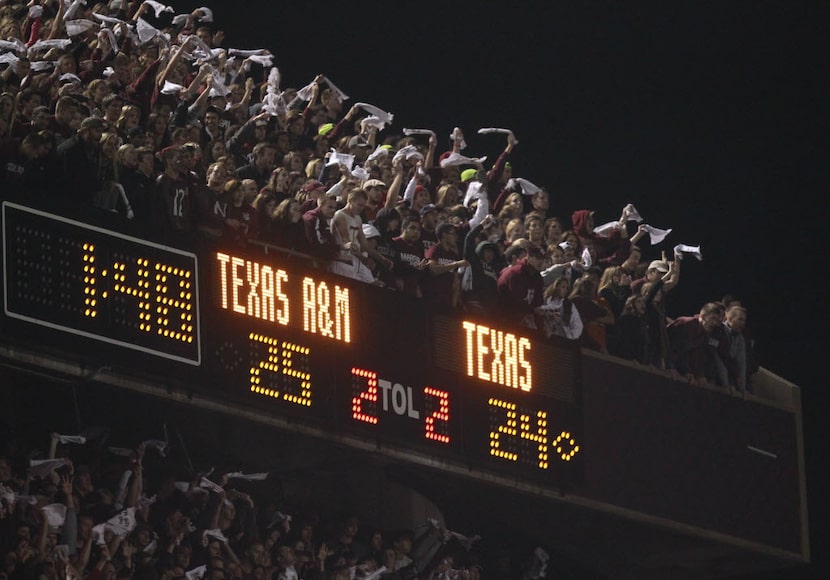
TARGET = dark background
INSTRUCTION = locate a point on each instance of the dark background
(708, 116)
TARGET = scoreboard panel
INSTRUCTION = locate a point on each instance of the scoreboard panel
(266, 332)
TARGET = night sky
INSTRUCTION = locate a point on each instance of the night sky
(708, 116)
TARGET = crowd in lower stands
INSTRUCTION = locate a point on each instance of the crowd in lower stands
(83, 508)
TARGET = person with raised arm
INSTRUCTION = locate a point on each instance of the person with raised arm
(347, 229)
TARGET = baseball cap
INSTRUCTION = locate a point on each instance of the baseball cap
(373, 183)
(659, 265)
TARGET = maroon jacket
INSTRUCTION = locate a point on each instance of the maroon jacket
(693, 350)
(318, 234)
(520, 289)
(439, 290)
(611, 251)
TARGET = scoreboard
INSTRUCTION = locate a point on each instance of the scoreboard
(273, 337)
(95, 283)
(275, 334)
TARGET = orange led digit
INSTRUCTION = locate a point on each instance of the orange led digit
(540, 436)
(271, 364)
(288, 351)
(507, 428)
(144, 305)
(141, 290)
(173, 292)
(89, 281)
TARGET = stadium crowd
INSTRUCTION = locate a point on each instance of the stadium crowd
(131, 114)
(76, 506)
(128, 114)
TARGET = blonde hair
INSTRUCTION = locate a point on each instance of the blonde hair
(444, 192)
(313, 167)
(608, 274)
(512, 225)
